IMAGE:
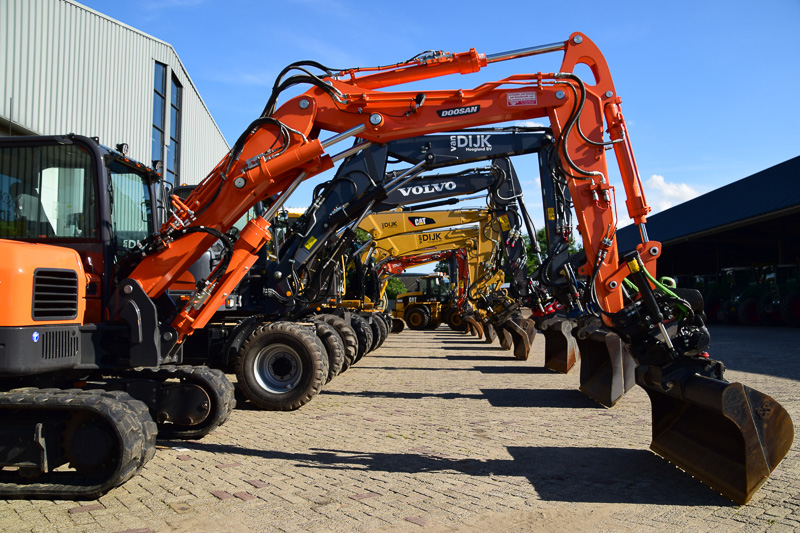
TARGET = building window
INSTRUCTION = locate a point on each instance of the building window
(173, 150)
(159, 105)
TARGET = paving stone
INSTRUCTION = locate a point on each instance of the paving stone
(438, 430)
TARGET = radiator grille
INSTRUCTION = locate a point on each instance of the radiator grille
(59, 344)
(55, 294)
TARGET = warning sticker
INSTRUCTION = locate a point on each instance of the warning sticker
(309, 243)
(521, 98)
(504, 223)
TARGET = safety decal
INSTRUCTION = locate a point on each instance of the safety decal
(521, 98)
(504, 223)
(309, 243)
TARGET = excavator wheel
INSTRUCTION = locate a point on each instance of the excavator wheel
(417, 317)
(363, 334)
(378, 330)
(281, 366)
(455, 320)
(398, 325)
(187, 402)
(348, 336)
(383, 330)
(334, 347)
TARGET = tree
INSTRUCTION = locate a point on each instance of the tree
(394, 288)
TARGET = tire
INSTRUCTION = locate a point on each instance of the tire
(417, 317)
(383, 330)
(363, 334)
(348, 336)
(454, 320)
(790, 310)
(376, 331)
(334, 347)
(765, 312)
(748, 312)
(398, 325)
(281, 366)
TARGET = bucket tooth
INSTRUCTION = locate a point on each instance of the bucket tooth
(560, 347)
(727, 435)
(608, 369)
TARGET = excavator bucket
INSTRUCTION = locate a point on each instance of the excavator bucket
(520, 337)
(397, 325)
(727, 435)
(489, 332)
(474, 326)
(608, 370)
(560, 347)
(504, 336)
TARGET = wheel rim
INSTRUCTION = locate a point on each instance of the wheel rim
(415, 318)
(278, 368)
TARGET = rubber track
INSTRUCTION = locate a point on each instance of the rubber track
(212, 380)
(135, 432)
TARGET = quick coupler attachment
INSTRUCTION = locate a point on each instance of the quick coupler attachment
(727, 435)
(608, 369)
(560, 346)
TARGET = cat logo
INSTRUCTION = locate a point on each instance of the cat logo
(420, 221)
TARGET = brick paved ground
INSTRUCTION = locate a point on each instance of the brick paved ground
(438, 431)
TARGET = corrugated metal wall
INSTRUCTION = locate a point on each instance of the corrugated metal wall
(69, 69)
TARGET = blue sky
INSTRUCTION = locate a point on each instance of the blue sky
(708, 88)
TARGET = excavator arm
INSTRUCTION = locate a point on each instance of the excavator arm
(283, 147)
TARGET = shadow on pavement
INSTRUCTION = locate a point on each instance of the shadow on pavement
(513, 370)
(557, 398)
(569, 474)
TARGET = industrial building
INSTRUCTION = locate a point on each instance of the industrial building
(754, 221)
(69, 69)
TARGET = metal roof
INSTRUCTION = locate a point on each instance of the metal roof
(766, 194)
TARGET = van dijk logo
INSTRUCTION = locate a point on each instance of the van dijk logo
(470, 143)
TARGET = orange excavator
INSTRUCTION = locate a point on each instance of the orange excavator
(113, 317)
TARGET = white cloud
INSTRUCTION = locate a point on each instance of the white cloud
(662, 194)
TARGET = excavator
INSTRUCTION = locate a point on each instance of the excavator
(487, 267)
(726, 434)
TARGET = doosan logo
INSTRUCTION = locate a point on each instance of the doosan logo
(427, 189)
(472, 143)
(458, 111)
